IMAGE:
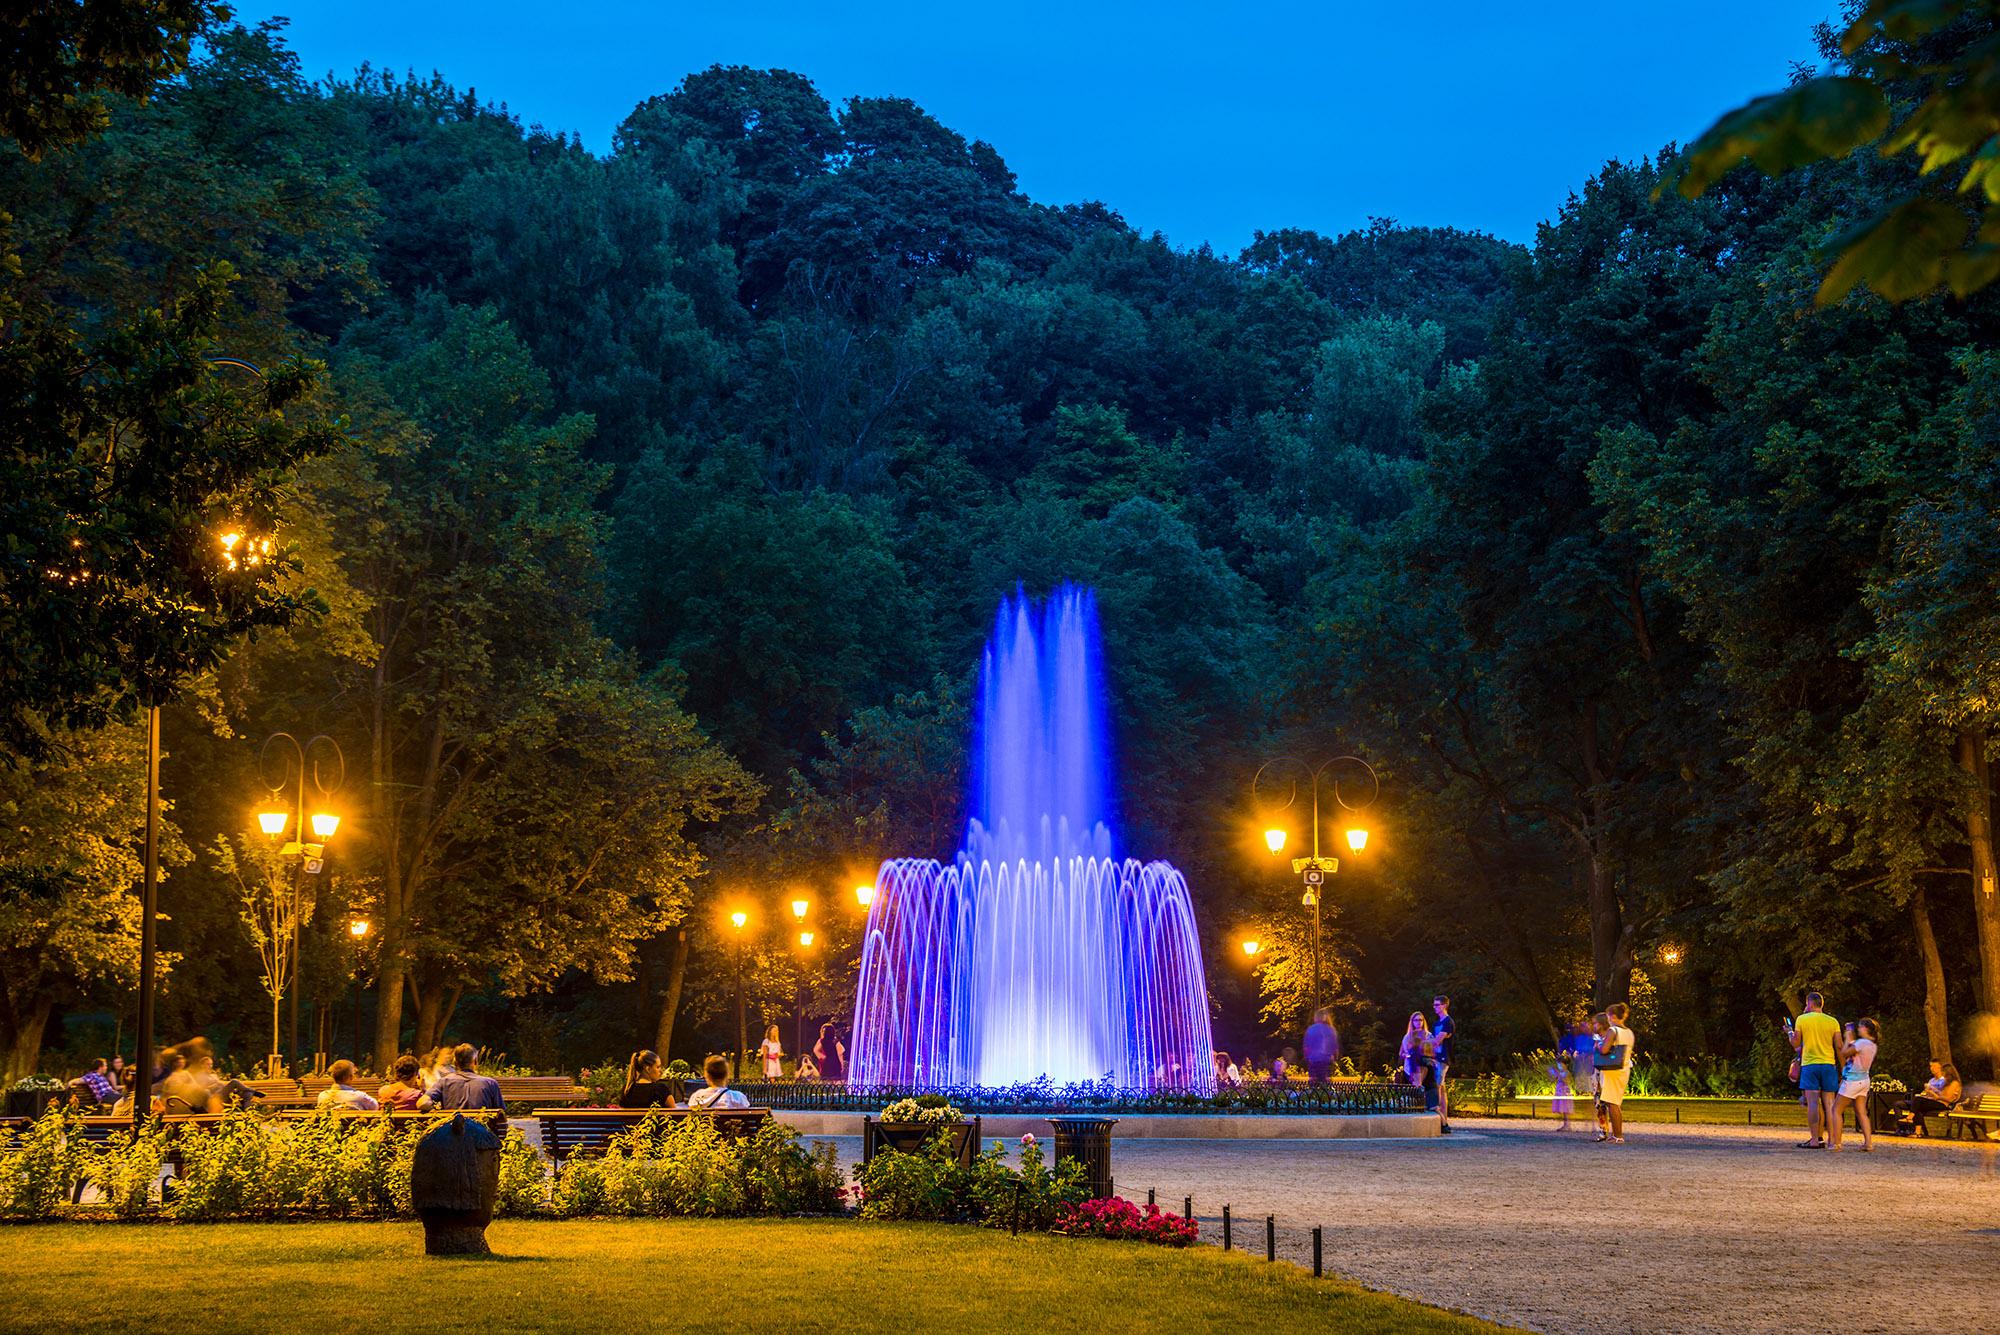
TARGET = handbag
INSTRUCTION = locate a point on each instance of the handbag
(1612, 1060)
(1793, 1073)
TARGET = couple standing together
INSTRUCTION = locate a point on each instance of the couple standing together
(1427, 1058)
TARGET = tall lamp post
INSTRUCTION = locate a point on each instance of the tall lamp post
(357, 932)
(1314, 870)
(275, 821)
(739, 918)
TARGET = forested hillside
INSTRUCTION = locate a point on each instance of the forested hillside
(671, 493)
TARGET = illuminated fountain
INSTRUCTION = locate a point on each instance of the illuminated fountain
(1037, 952)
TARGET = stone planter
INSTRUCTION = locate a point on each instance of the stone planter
(32, 1103)
(911, 1137)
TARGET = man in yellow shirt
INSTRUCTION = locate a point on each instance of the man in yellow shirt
(1816, 1038)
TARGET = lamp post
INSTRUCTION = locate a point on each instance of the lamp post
(1314, 870)
(739, 918)
(357, 932)
(311, 857)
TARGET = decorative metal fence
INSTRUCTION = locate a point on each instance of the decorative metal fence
(1290, 1099)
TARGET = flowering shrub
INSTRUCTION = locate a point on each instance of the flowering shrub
(37, 1166)
(924, 1110)
(933, 1185)
(1887, 1084)
(1116, 1217)
(689, 1168)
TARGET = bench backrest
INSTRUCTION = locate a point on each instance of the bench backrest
(567, 1131)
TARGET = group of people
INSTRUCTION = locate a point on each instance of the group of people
(185, 1080)
(447, 1080)
(827, 1059)
(648, 1086)
(1833, 1070)
(1595, 1060)
(1426, 1055)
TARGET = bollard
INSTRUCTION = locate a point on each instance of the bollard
(1149, 1195)
(1270, 1237)
(1225, 1228)
(1316, 1242)
(1187, 1207)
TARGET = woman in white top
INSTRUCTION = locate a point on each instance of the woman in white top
(773, 1053)
(1857, 1054)
(718, 1094)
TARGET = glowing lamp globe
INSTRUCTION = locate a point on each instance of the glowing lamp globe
(739, 918)
(1252, 947)
(1274, 840)
(273, 822)
(865, 894)
(799, 909)
(1357, 838)
(805, 938)
(358, 928)
(324, 823)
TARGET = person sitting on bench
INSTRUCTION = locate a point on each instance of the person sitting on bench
(1941, 1094)
(718, 1094)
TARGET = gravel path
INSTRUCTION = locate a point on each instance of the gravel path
(1695, 1229)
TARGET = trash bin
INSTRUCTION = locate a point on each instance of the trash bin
(1088, 1141)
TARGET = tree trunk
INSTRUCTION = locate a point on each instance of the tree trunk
(670, 1004)
(430, 1002)
(1985, 880)
(389, 981)
(23, 1039)
(1937, 1028)
(1610, 953)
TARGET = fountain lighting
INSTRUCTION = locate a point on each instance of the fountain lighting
(1037, 952)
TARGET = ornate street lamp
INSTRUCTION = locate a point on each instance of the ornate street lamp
(1315, 869)
(326, 773)
(864, 895)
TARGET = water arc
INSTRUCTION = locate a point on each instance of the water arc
(1037, 952)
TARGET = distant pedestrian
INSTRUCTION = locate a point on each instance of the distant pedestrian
(461, 1085)
(772, 1050)
(806, 1069)
(1418, 1054)
(830, 1054)
(1815, 1036)
(1857, 1055)
(341, 1094)
(1441, 1036)
(1613, 1060)
(1322, 1047)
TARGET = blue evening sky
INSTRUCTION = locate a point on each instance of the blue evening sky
(1203, 121)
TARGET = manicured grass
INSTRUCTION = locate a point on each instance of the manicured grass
(631, 1274)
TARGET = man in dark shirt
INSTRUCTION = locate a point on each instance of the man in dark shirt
(1441, 1033)
(463, 1086)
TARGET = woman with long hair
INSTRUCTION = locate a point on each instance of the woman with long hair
(772, 1050)
(1857, 1058)
(644, 1087)
(1418, 1053)
(830, 1054)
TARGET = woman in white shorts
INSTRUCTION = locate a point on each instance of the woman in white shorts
(1857, 1056)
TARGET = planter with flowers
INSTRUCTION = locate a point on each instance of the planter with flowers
(907, 1125)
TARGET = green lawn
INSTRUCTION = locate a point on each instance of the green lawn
(720, 1275)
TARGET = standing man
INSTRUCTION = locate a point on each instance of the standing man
(1322, 1045)
(1816, 1038)
(1441, 1035)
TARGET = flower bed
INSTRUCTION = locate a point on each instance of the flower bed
(1116, 1217)
(1284, 1098)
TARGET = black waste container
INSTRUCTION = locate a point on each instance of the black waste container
(1088, 1141)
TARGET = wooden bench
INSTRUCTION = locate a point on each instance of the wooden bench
(1982, 1111)
(538, 1089)
(588, 1131)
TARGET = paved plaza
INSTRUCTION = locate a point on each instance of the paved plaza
(1681, 1229)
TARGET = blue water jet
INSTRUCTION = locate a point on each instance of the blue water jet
(1037, 953)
